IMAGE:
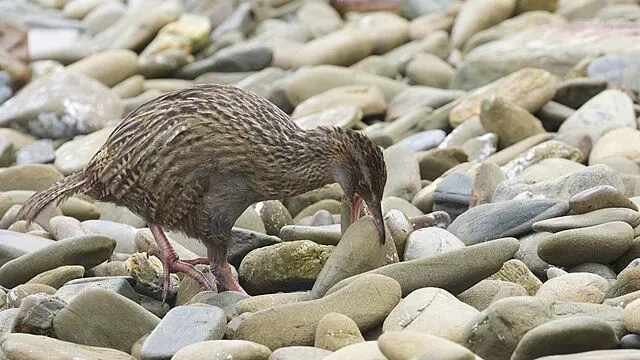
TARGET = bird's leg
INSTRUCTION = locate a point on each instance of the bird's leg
(171, 263)
(222, 272)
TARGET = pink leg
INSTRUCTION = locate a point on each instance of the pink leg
(171, 263)
(224, 275)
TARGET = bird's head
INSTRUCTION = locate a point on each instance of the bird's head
(362, 175)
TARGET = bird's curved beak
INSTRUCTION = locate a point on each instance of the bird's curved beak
(375, 208)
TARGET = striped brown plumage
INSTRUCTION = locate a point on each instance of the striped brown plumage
(194, 159)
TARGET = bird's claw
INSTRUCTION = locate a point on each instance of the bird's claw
(174, 264)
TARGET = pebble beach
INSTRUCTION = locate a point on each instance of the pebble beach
(510, 134)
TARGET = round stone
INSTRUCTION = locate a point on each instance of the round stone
(576, 287)
(600, 197)
(600, 243)
(336, 331)
(571, 335)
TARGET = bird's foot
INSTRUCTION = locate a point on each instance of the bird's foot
(172, 263)
(225, 277)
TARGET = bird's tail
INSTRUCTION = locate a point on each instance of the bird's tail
(56, 193)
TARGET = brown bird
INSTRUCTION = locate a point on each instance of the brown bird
(195, 159)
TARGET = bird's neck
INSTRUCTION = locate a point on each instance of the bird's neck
(314, 159)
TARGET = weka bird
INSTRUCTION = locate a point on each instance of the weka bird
(193, 160)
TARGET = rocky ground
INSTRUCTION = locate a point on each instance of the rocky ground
(510, 130)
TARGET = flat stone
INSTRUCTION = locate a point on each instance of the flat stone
(325, 77)
(355, 253)
(336, 331)
(261, 302)
(600, 243)
(424, 140)
(230, 349)
(596, 217)
(431, 311)
(528, 88)
(577, 287)
(367, 301)
(609, 109)
(565, 336)
(564, 187)
(225, 300)
(38, 347)
(99, 317)
(181, 327)
(325, 235)
(454, 271)
(87, 251)
(502, 219)
(121, 285)
(57, 277)
(241, 57)
(409, 345)
(14, 244)
(368, 99)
